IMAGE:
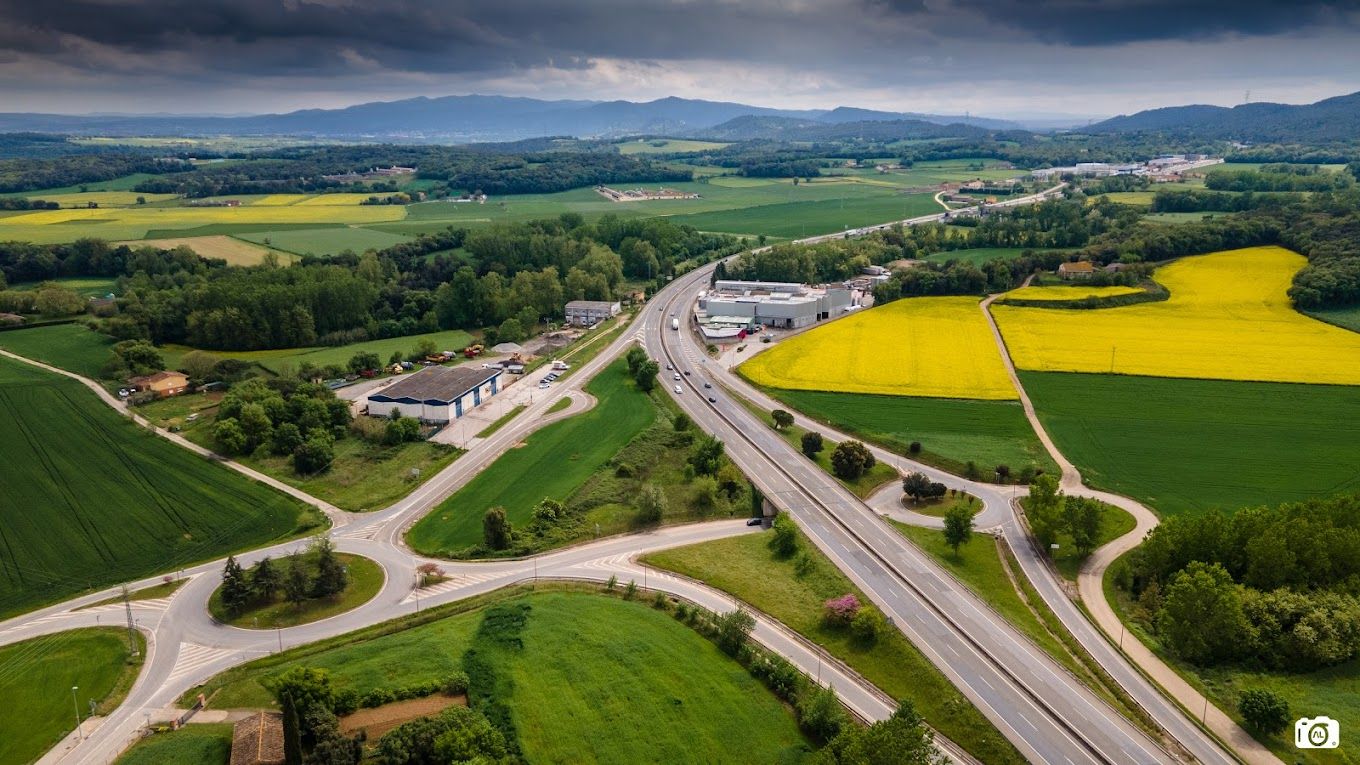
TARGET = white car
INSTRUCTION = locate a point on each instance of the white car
(677, 389)
(676, 376)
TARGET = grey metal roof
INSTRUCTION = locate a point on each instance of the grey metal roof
(436, 384)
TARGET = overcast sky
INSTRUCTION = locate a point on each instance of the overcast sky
(996, 57)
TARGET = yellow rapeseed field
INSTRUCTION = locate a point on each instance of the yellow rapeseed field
(1062, 293)
(185, 217)
(116, 224)
(1228, 318)
(931, 346)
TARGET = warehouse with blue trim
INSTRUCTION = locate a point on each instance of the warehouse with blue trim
(436, 394)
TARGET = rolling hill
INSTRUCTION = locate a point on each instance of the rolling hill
(1332, 119)
(468, 118)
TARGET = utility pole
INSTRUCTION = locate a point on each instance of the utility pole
(80, 734)
(132, 628)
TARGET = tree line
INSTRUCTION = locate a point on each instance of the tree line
(507, 278)
(1277, 587)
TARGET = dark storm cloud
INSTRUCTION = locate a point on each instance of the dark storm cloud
(1085, 23)
(441, 36)
(79, 54)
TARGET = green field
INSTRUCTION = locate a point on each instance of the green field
(72, 347)
(365, 580)
(951, 431)
(597, 680)
(843, 198)
(746, 567)
(201, 744)
(324, 241)
(794, 220)
(979, 255)
(36, 677)
(667, 146)
(91, 500)
(278, 360)
(89, 286)
(1341, 317)
(553, 462)
(1185, 445)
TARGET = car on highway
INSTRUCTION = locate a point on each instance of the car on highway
(677, 389)
(687, 373)
(669, 367)
(708, 385)
(712, 400)
(676, 375)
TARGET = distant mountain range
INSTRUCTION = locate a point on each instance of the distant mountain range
(471, 118)
(1332, 119)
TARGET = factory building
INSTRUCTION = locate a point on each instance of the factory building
(784, 305)
(436, 394)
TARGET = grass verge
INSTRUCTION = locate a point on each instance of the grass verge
(503, 420)
(36, 677)
(200, 744)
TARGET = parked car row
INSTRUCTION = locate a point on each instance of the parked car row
(548, 379)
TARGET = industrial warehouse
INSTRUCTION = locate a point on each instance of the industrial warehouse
(436, 394)
(734, 307)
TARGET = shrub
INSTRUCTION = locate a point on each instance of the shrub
(868, 625)
(732, 628)
(1264, 711)
(630, 591)
(803, 564)
(821, 714)
(784, 539)
(915, 447)
(842, 610)
(455, 684)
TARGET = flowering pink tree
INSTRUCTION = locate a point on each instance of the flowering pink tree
(843, 609)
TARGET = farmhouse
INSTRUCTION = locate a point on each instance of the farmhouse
(164, 383)
(775, 304)
(258, 740)
(436, 394)
(1081, 269)
(584, 313)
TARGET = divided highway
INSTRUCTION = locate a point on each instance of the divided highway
(1046, 712)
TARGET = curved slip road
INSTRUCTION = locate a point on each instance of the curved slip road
(1091, 577)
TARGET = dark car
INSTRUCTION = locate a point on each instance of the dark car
(755, 521)
(708, 385)
(712, 400)
(687, 373)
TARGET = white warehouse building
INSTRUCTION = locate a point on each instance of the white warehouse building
(436, 394)
(786, 305)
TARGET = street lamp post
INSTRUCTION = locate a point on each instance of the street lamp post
(80, 735)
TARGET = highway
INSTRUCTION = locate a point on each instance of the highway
(1048, 714)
